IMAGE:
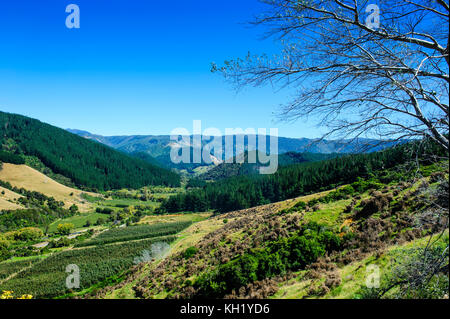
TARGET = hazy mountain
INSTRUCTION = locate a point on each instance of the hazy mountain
(158, 146)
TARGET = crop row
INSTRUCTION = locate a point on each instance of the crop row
(10, 267)
(47, 278)
(136, 232)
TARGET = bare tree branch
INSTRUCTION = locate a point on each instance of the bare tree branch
(359, 80)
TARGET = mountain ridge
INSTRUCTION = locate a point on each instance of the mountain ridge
(158, 147)
(87, 164)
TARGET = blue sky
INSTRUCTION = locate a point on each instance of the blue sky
(134, 67)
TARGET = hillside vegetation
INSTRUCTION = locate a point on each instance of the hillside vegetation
(241, 165)
(86, 163)
(288, 182)
(316, 246)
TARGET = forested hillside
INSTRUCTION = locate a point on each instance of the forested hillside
(291, 181)
(86, 163)
(226, 170)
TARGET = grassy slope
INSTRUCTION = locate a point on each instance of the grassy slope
(8, 199)
(353, 275)
(30, 179)
(333, 214)
(187, 238)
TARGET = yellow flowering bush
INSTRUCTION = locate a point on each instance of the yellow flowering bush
(6, 294)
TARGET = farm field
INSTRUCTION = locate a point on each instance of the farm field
(135, 233)
(8, 268)
(224, 155)
(166, 218)
(203, 249)
(47, 278)
(79, 221)
(30, 179)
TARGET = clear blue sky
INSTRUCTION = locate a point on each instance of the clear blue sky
(134, 67)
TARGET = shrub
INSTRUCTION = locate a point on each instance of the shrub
(300, 205)
(65, 229)
(27, 234)
(291, 253)
(4, 252)
(106, 210)
(74, 209)
(100, 221)
(377, 203)
(11, 158)
(189, 252)
(135, 233)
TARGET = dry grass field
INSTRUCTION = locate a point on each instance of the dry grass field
(30, 179)
(6, 199)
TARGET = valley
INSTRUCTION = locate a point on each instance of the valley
(311, 230)
(225, 159)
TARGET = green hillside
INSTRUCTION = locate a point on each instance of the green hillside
(86, 163)
(291, 181)
(318, 246)
(227, 170)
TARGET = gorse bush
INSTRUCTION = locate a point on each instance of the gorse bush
(300, 205)
(291, 253)
(189, 252)
(377, 203)
(20, 218)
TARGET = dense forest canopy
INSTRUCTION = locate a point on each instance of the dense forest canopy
(292, 181)
(226, 170)
(87, 163)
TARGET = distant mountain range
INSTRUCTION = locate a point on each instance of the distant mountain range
(156, 148)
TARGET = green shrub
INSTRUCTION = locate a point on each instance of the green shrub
(65, 229)
(300, 205)
(291, 253)
(189, 252)
(7, 157)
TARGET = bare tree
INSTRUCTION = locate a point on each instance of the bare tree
(361, 78)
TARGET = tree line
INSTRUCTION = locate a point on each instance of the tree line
(292, 181)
